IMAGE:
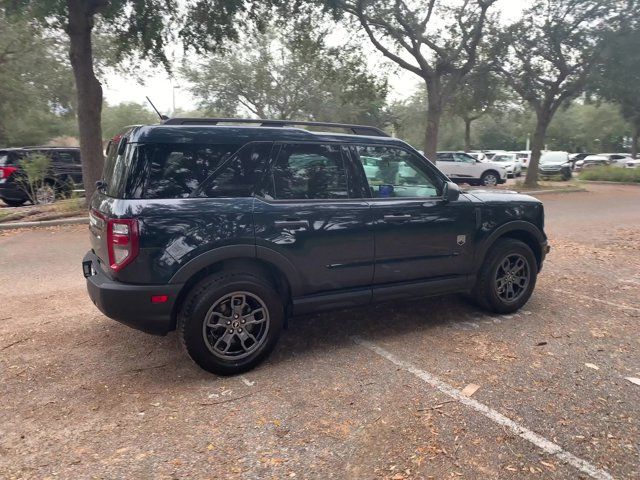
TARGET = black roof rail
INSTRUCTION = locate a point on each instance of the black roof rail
(355, 129)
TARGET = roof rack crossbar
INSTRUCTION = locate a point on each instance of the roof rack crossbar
(355, 129)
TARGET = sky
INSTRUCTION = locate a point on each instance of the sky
(163, 91)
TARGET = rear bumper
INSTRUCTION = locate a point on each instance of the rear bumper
(9, 191)
(130, 304)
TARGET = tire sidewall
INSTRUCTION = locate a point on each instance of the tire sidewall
(195, 312)
(498, 255)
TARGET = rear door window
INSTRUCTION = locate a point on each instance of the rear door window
(308, 172)
(178, 170)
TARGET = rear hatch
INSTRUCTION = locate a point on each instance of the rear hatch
(103, 202)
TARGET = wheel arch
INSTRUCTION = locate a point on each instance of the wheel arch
(526, 232)
(267, 263)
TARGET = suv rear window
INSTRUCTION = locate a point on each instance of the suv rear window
(177, 170)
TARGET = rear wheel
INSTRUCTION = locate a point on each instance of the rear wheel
(507, 277)
(489, 179)
(46, 194)
(230, 322)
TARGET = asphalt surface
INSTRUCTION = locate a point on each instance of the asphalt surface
(367, 393)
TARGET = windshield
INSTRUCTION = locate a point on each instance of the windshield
(502, 158)
(554, 157)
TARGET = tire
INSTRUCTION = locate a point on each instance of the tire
(14, 203)
(490, 178)
(216, 294)
(487, 293)
(46, 194)
(566, 176)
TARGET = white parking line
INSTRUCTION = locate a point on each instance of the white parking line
(545, 445)
(605, 302)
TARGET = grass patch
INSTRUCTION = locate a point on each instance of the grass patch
(611, 174)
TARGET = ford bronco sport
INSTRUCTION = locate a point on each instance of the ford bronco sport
(225, 229)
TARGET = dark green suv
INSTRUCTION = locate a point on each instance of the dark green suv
(225, 229)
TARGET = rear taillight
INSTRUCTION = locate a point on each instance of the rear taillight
(122, 241)
(5, 172)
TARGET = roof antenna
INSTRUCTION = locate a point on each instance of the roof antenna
(162, 117)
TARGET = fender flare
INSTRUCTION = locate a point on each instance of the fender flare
(250, 252)
(514, 226)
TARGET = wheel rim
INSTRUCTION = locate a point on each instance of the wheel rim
(512, 277)
(236, 325)
(45, 195)
(490, 180)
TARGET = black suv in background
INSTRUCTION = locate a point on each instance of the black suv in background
(224, 231)
(64, 175)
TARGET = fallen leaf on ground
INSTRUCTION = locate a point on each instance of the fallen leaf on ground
(470, 389)
(592, 366)
(633, 380)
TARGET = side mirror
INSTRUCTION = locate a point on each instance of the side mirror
(450, 192)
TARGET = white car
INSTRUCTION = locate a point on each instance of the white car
(510, 162)
(603, 159)
(461, 167)
(524, 156)
(631, 163)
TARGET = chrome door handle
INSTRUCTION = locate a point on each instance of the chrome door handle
(292, 224)
(396, 218)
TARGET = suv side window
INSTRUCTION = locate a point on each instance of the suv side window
(445, 157)
(239, 176)
(178, 170)
(463, 158)
(66, 157)
(394, 172)
(308, 171)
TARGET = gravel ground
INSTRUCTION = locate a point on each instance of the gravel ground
(85, 397)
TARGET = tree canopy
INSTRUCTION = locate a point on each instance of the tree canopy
(289, 75)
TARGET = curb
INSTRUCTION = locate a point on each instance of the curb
(559, 190)
(605, 182)
(45, 223)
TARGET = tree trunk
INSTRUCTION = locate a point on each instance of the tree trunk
(467, 134)
(89, 93)
(537, 145)
(634, 142)
(434, 114)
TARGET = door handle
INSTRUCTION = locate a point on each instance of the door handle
(292, 224)
(397, 218)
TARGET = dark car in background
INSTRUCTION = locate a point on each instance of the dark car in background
(64, 175)
(555, 164)
(223, 232)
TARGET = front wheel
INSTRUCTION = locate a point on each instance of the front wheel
(507, 277)
(489, 179)
(231, 321)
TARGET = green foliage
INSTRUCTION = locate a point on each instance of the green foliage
(36, 85)
(114, 118)
(618, 73)
(290, 74)
(612, 174)
(34, 171)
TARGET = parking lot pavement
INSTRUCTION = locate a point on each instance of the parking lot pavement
(366, 393)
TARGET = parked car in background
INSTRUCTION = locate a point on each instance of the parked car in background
(603, 159)
(574, 157)
(524, 156)
(555, 164)
(618, 159)
(463, 168)
(65, 174)
(510, 162)
(632, 163)
(478, 155)
(489, 154)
